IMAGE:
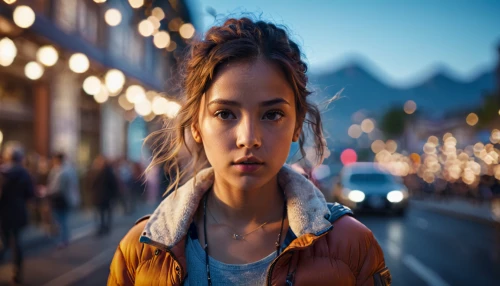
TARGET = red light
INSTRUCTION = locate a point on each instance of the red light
(348, 156)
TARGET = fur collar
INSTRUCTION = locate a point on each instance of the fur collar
(306, 207)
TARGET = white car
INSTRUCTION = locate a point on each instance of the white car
(368, 186)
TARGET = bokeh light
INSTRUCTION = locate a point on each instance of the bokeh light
(377, 146)
(103, 94)
(135, 94)
(8, 52)
(113, 17)
(114, 80)
(348, 156)
(187, 30)
(354, 131)
(92, 85)
(410, 106)
(472, 119)
(24, 16)
(146, 28)
(161, 39)
(367, 125)
(47, 55)
(143, 108)
(158, 13)
(136, 3)
(391, 146)
(33, 70)
(79, 63)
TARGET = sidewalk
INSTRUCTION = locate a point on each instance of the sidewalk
(81, 223)
(481, 213)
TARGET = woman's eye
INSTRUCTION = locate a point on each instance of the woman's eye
(224, 115)
(273, 115)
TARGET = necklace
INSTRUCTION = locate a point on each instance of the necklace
(234, 235)
(207, 262)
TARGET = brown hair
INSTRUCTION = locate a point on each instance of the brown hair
(235, 40)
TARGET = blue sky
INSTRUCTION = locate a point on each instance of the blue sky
(403, 40)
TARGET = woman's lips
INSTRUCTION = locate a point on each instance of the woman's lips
(247, 168)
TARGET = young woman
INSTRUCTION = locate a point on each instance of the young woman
(248, 219)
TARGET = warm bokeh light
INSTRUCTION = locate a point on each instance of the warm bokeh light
(174, 24)
(102, 96)
(158, 13)
(124, 103)
(143, 108)
(92, 85)
(9, 2)
(24, 16)
(1, 137)
(159, 105)
(472, 119)
(79, 63)
(100, 1)
(434, 140)
(135, 94)
(367, 125)
(113, 17)
(410, 107)
(348, 156)
(114, 80)
(172, 46)
(161, 39)
(47, 55)
(8, 52)
(354, 131)
(146, 28)
(173, 109)
(136, 3)
(187, 30)
(391, 146)
(33, 70)
(377, 146)
(155, 22)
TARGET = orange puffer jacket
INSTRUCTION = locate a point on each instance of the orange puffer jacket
(331, 248)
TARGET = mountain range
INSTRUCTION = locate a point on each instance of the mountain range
(362, 90)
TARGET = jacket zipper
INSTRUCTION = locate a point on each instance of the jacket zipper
(271, 268)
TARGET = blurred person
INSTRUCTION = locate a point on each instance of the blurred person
(104, 189)
(124, 175)
(249, 218)
(63, 194)
(16, 189)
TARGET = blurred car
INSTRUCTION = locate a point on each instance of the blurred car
(368, 186)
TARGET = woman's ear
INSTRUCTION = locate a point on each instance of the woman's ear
(296, 134)
(196, 134)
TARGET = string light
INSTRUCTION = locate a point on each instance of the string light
(33, 70)
(79, 63)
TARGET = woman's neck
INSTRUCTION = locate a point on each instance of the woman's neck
(247, 206)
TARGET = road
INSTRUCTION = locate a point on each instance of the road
(422, 248)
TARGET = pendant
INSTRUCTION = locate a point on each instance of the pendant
(238, 237)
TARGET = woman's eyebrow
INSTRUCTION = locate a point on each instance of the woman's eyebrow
(237, 104)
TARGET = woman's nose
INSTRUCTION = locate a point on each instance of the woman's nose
(248, 134)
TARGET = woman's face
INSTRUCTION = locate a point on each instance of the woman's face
(247, 122)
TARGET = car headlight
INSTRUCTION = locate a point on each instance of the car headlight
(356, 196)
(395, 196)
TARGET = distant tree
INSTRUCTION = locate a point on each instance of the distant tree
(488, 110)
(393, 122)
